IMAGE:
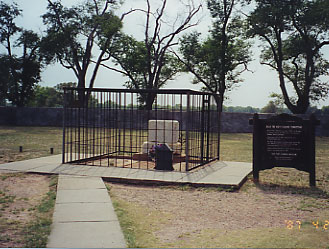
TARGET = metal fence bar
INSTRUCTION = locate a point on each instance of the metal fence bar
(187, 133)
(108, 127)
(64, 132)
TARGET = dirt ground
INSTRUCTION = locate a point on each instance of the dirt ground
(186, 210)
(19, 194)
(192, 210)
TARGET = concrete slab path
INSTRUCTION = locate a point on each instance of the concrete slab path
(84, 216)
(225, 174)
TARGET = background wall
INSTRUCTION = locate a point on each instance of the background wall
(231, 122)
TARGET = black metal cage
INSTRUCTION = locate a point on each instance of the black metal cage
(122, 128)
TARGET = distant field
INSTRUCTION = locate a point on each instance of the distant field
(36, 142)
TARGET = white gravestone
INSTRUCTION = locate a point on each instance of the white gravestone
(162, 131)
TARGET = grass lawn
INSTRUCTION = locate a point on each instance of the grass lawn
(281, 211)
(36, 142)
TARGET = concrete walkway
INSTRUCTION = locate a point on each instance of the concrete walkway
(225, 174)
(84, 216)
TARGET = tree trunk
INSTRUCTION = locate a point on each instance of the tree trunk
(80, 102)
(219, 101)
(302, 106)
(150, 97)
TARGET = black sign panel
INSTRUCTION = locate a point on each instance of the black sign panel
(284, 141)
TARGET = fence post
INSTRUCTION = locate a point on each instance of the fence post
(311, 157)
(187, 132)
(256, 147)
(64, 125)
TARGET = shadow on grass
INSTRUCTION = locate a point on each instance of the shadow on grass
(314, 192)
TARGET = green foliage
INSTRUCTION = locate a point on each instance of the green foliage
(49, 96)
(94, 20)
(37, 231)
(46, 97)
(8, 14)
(293, 36)
(247, 109)
(19, 73)
(270, 108)
(54, 97)
(126, 224)
(47, 203)
(143, 70)
(5, 199)
(130, 54)
(149, 64)
(218, 60)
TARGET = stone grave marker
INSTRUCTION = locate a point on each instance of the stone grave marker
(161, 132)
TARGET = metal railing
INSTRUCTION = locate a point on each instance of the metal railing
(117, 127)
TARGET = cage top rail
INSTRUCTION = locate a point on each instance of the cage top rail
(159, 91)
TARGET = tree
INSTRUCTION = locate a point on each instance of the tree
(46, 97)
(19, 73)
(271, 107)
(294, 32)
(50, 96)
(242, 109)
(60, 87)
(73, 33)
(148, 63)
(219, 60)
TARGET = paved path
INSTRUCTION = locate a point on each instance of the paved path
(84, 216)
(225, 174)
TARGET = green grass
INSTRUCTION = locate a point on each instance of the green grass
(236, 147)
(38, 230)
(36, 142)
(126, 222)
(5, 199)
(136, 229)
(138, 222)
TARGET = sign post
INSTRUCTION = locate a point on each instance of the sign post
(284, 141)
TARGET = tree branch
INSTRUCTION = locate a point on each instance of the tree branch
(75, 53)
(317, 48)
(111, 68)
(190, 69)
(294, 82)
(129, 12)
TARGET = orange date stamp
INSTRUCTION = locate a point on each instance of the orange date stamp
(297, 224)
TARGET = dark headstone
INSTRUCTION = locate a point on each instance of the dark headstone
(163, 157)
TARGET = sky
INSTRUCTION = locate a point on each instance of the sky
(254, 91)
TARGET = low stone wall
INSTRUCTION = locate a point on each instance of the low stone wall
(28, 116)
(239, 123)
(231, 122)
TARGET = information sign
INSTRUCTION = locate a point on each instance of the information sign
(284, 141)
